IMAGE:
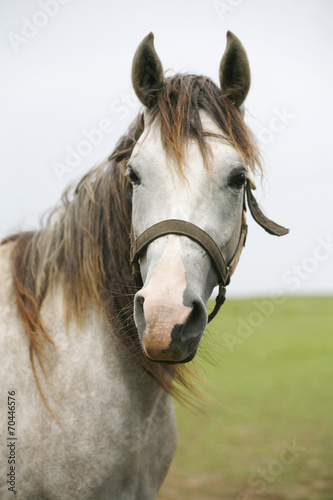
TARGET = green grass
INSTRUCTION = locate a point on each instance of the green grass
(272, 389)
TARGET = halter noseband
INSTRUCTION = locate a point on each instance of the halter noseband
(184, 228)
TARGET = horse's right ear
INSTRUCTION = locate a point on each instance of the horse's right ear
(147, 72)
(235, 75)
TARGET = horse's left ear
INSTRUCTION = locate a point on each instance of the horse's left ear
(147, 72)
(235, 75)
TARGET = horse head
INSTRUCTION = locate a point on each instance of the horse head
(189, 171)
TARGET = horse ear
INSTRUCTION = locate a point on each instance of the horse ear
(235, 75)
(147, 72)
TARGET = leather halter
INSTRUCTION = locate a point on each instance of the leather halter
(184, 228)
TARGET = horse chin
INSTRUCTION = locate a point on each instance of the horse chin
(172, 362)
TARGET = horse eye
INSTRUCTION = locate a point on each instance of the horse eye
(238, 180)
(131, 176)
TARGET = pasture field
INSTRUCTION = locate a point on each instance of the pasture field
(269, 433)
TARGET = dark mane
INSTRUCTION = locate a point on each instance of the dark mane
(85, 243)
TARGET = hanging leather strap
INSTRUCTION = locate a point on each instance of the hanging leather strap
(269, 226)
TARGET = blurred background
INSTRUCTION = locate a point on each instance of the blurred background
(66, 73)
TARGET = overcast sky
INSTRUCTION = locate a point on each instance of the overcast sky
(66, 71)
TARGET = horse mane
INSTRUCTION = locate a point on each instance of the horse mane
(179, 104)
(85, 243)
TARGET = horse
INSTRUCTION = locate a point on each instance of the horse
(103, 306)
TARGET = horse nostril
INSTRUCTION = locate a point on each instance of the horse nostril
(196, 321)
(139, 315)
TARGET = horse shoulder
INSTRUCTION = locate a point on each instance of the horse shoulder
(112, 433)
